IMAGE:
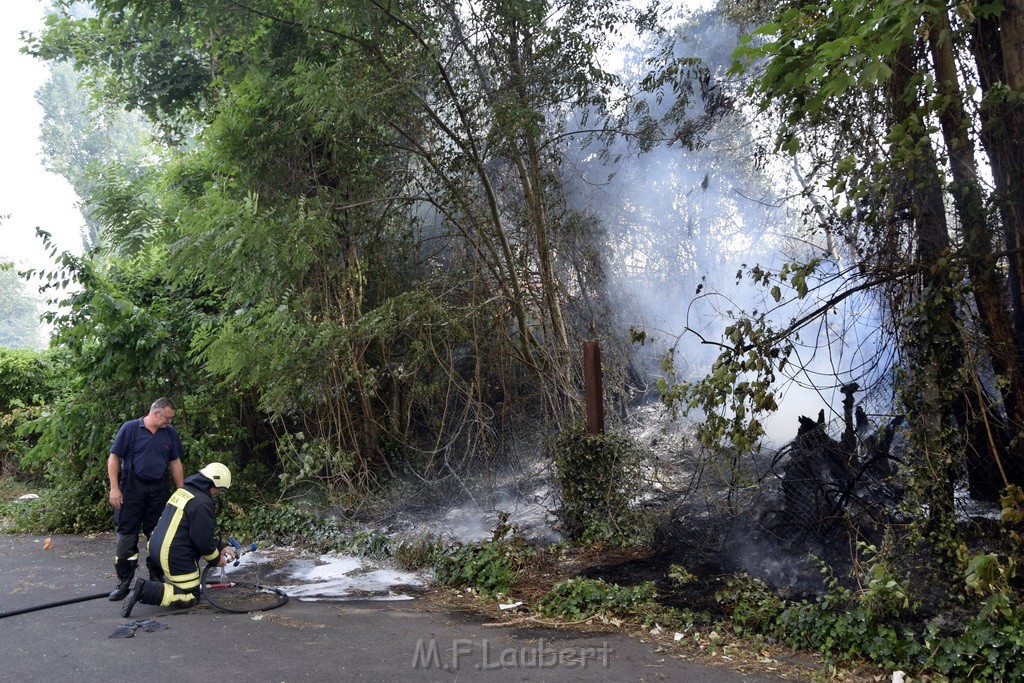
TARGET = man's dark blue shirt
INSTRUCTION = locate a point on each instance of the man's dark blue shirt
(148, 453)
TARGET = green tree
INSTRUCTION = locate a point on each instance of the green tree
(20, 327)
(123, 330)
(374, 191)
(79, 141)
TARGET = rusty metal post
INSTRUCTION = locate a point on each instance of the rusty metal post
(593, 390)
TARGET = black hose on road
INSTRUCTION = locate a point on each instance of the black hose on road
(48, 605)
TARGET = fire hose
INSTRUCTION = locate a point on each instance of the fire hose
(229, 594)
(58, 603)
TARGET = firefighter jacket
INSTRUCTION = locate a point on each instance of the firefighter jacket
(186, 532)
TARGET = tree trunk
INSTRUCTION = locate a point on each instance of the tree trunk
(978, 238)
(529, 168)
(1002, 134)
(941, 355)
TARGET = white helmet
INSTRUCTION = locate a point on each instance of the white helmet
(219, 474)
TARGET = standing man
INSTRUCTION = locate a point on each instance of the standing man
(144, 451)
(186, 532)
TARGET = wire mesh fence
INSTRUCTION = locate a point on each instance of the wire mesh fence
(822, 501)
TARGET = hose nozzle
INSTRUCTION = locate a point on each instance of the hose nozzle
(240, 549)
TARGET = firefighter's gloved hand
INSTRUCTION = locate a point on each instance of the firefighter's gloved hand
(227, 555)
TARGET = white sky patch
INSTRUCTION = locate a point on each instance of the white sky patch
(29, 194)
(613, 59)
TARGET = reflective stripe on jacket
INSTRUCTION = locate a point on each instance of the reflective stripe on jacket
(185, 532)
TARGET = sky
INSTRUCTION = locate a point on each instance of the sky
(30, 196)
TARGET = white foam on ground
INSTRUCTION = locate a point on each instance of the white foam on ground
(332, 577)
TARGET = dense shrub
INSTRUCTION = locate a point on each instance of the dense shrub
(490, 567)
(580, 598)
(29, 380)
(26, 378)
(598, 476)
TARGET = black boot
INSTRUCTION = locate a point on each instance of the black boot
(138, 585)
(121, 591)
(125, 572)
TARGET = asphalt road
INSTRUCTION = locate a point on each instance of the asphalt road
(358, 640)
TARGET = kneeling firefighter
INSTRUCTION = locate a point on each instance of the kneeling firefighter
(185, 533)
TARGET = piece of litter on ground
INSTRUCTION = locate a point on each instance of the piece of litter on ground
(677, 637)
(128, 630)
(150, 625)
(27, 497)
(256, 617)
(510, 605)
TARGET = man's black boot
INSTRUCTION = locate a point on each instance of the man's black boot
(138, 585)
(125, 570)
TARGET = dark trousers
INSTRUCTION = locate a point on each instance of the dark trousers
(167, 594)
(142, 504)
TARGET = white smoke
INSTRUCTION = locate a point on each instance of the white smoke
(683, 220)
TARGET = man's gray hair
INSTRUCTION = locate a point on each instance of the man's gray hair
(162, 404)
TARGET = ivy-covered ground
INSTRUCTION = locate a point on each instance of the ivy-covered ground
(709, 641)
